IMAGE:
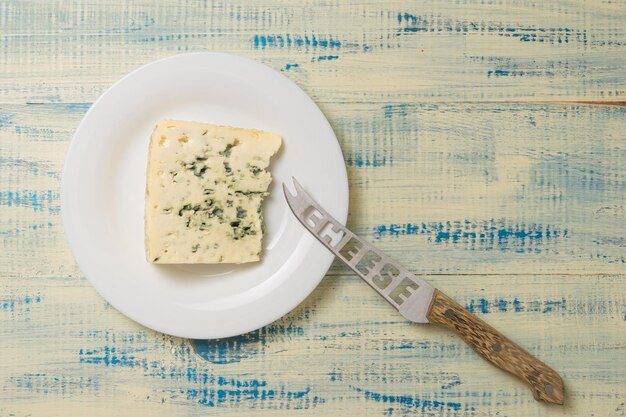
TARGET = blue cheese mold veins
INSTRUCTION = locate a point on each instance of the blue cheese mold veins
(204, 194)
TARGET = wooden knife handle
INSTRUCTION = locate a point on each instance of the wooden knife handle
(544, 382)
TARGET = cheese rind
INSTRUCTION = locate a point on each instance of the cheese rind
(204, 193)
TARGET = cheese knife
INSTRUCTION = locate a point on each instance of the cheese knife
(420, 302)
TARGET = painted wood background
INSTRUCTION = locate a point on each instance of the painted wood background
(486, 148)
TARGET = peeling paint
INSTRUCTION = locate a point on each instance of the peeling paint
(480, 234)
(413, 403)
(38, 201)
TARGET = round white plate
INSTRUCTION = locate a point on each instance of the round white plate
(103, 187)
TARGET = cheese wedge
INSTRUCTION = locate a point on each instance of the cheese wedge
(204, 193)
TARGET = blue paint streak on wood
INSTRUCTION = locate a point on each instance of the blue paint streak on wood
(331, 325)
(447, 380)
(519, 73)
(10, 121)
(41, 226)
(205, 387)
(426, 347)
(177, 37)
(411, 24)
(454, 383)
(49, 98)
(35, 167)
(110, 356)
(74, 107)
(229, 390)
(500, 305)
(480, 235)
(28, 228)
(6, 119)
(507, 66)
(288, 41)
(373, 160)
(18, 307)
(235, 349)
(325, 58)
(289, 67)
(63, 385)
(590, 307)
(39, 201)
(400, 109)
(43, 134)
(412, 403)
(12, 304)
(136, 24)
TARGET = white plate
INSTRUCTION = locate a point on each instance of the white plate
(102, 195)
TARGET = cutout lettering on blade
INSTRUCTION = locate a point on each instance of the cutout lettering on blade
(397, 287)
(331, 236)
(312, 217)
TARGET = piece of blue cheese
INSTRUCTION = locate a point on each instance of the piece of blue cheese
(204, 193)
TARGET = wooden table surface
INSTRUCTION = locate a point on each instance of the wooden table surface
(485, 142)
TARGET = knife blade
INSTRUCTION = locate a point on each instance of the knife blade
(420, 302)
